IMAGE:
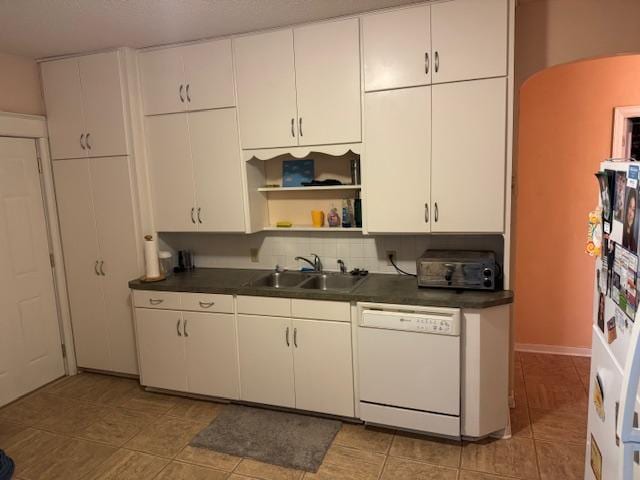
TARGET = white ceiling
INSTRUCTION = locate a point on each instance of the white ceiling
(44, 28)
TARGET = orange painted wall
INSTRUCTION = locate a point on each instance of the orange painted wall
(566, 115)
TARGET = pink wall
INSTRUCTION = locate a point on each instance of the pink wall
(20, 90)
(565, 128)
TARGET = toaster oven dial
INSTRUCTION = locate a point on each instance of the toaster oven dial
(487, 282)
(487, 272)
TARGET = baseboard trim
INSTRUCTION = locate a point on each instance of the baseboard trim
(555, 349)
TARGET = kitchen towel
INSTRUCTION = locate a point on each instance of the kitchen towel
(152, 265)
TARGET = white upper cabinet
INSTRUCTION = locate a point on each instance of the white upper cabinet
(397, 48)
(327, 60)
(195, 166)
(398, 160)
(468, 156)
(469, 39)
(85, 107)
(265, 78)
(189, 77)
(310, 97)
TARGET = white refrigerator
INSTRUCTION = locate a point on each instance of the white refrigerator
(613, 438)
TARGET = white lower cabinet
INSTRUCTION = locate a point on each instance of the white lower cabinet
(297, 363)
(266, 360)
(191, 352)
(323, 366)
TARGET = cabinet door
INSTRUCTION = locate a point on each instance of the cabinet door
(266, 360)
(163, 81)
(208, 69)
(212, 354)
(265, 78)
(328, 82)
(397, 157)
(397, 48)
(63, 99)
(161, 349)
(171, 171)
(81, 260)
(468, 156)
(323, 366)
(103, 105)
(217, 175)
(469, 39)
(112, 198)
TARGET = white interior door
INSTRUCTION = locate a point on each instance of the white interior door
(397, 48)
(469, 39)
(266, 83)
(171, 173)
(30, 346)
(208, 69)
(103, 105)
(468, 156)
(162, 349)
(266, 360)
(328, 82)
(217, 170)
(113, 203)
(212, 354)
(162, 79)
(63, 99)
(397, 160)
(323, 366)
(82, 261)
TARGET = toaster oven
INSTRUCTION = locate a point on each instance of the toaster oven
(458, 269)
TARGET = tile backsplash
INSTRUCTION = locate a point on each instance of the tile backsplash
(356, 250)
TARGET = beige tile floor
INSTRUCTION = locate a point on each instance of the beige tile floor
(102, 427)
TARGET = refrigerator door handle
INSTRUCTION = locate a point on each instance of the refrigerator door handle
(629, 391)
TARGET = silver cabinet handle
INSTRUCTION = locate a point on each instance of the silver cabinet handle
(300, 126)
(293, 133)
(426, 63)
(102, 268)
(180, 93)
(207, 304)
(188, 95)
(155, 301)
(184, 328)
(295, 337)
(82, 142)
(95, 267)
(193, 220)
(436, 212)
(86, 140)
(426, 213)
(199, 219)
(178, 328)
(437, 62)
(286, 337)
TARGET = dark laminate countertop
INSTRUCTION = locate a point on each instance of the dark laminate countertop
(381, 288)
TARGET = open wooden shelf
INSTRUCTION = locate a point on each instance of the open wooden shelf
(314, 188)
(310, 228)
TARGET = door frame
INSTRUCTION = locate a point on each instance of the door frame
(35, 127)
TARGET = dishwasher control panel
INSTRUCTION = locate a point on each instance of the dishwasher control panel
(439, 323)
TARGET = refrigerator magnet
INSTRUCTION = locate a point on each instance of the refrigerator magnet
(619, 196)
(596, 459)
(598, 397)
(611, 330)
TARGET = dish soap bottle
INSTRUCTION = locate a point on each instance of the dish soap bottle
(333, 218)
(347, 214)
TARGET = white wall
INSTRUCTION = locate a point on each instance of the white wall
(20, 90)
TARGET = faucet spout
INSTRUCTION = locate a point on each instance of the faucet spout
(316, 263)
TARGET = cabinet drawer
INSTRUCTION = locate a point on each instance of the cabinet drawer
(321, 310)
(151, 299)
(207, 302)
(270, 306)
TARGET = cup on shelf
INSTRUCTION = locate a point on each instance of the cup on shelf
(317, 218)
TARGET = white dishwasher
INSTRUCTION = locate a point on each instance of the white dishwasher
(409, 367)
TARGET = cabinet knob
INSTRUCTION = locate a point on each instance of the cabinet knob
(188, 95)
(180, 93)
(300, 126)
(426, 63)
(293, 133)
(436, 212)
(86, 140)
(206, 304)
(426, 213)
(193, 220)
(95, 268)
(286, 337)
(155, 301)
(82, 142)
(102, 268)
(199, 219)
(437, 61)
(178, 328)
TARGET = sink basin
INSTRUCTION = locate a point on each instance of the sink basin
(279, 280)
(331, 282)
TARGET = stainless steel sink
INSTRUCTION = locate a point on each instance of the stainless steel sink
(280, 280)
(328, 281)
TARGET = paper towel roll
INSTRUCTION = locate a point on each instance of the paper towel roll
(152, 265)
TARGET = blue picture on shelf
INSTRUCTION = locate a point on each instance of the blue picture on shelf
(294, 172)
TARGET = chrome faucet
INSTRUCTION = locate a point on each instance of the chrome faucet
(343, 268)
(316, 264)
